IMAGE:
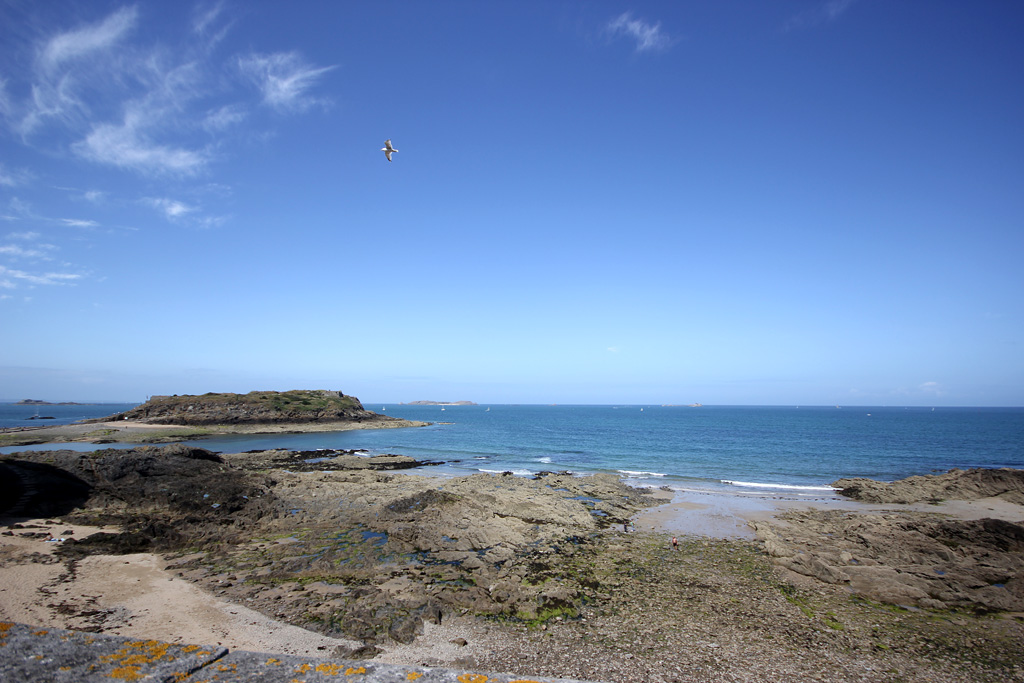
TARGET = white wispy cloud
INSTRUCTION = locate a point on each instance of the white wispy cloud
(825, 12)
(27, 254)
(127, 145)
(648, 36)
(170, 208)
(13, 177)
(79, 223)
(6, 106)
(223, 118)
(933, 388)
(151, 107)
(13, 250)
(11, 278)
(30, 235)
(205, 17)
(89, 39)
(284, 79)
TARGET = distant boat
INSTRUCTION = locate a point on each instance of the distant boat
(489, 410)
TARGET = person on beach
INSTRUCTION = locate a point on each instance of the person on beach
(675, 543)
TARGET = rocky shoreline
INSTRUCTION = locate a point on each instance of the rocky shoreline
(125, 431)
(537, 575)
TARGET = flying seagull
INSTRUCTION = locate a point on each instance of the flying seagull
(388, 149)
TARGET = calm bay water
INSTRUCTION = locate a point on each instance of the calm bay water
(714, 447)
(14, 415)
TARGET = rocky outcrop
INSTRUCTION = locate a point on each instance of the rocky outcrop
(256, 407)
(956, 484)
(324, 461)
(347, 547)
(164, 496)
(910, 559)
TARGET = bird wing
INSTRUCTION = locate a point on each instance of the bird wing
(387, 145)
(387, 153)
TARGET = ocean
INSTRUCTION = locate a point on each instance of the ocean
(15, 415)
(792, 450)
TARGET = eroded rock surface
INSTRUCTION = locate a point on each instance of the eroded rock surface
(911, 559)
(353, 549)
(905, 557)
(956, 484)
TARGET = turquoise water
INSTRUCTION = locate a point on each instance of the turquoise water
(784, 449)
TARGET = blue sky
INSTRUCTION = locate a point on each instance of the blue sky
(593, 202)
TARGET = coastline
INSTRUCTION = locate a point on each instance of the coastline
(129, 432)
(305, 544)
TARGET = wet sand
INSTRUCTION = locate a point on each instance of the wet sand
(727, 515)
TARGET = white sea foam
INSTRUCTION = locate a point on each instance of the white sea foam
(521, 473)
(760, 485)
(632, 473)
(544, 459)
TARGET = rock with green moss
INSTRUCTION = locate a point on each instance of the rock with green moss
(256, 407)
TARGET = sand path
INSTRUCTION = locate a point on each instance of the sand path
(136, 596)
(133, 595)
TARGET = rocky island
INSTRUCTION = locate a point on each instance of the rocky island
(164, 419)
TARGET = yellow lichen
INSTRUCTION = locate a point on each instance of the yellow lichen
(412, 676)
(350, 671)
(304, 668)
(329, 669)
(127, 673)
(472, 678)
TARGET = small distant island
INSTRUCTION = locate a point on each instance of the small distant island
(34, 402)
(438, 403)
